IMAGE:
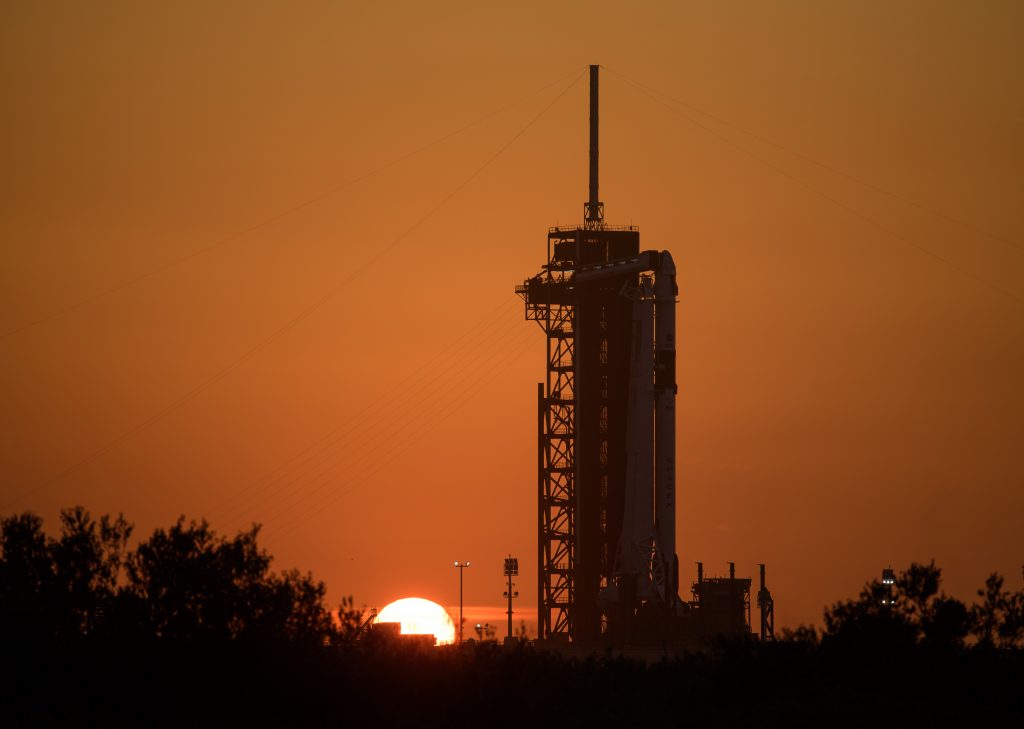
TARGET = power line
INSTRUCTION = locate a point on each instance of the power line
(514, 138)
(370, 434)
(440, 403)
(273, 218)
(456, 405)
(340, 430)
(295, 320)
(853, 211)
(384, 409)
(834, 170)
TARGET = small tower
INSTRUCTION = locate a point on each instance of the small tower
(767, 606)
(511, 570)
(888, 580)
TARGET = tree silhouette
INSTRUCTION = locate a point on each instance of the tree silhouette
(195, 628)
(61, 588)
(87, 562)
(351, 622)
(195, 585)
(913, 613)
(999, 618)
(27, 580)
(184, 583)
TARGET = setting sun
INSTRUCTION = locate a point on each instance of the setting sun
(419, 617)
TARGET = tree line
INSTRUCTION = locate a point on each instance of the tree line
(188, 627)
(914, 612)
(188, 583)
(183, 583)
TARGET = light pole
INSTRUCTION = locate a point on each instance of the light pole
(511, 570)
(461, 566)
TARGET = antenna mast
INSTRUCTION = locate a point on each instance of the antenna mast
(593, 208)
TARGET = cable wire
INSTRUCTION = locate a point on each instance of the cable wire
(383, 433)
(272, 219)
(822, 165)
(332, 498)
(853, 211)
(386, 440)
(295, 320)
(383, 408)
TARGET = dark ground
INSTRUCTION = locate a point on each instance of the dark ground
(232, 684)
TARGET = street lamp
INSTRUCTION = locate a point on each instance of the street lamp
(461, 566)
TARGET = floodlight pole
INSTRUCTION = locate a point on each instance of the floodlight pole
(510, 605)
(511, 570)
(461, 566)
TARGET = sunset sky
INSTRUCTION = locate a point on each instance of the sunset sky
(241, 281)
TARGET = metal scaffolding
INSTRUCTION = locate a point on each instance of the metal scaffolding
(556, 462)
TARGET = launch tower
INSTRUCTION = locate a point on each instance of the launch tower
(607, 567)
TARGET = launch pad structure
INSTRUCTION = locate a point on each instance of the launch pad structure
(607, 569)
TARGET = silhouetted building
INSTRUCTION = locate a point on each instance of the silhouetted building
(722, 603)
(393, 631)
(389, 630)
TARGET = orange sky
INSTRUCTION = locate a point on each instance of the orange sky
(847, 399)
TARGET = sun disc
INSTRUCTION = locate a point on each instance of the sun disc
(419, 617)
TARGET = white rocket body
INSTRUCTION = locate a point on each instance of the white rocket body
(647, 544)
(638, 539)
(665, 423)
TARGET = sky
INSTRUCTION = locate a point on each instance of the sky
(258, 263)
